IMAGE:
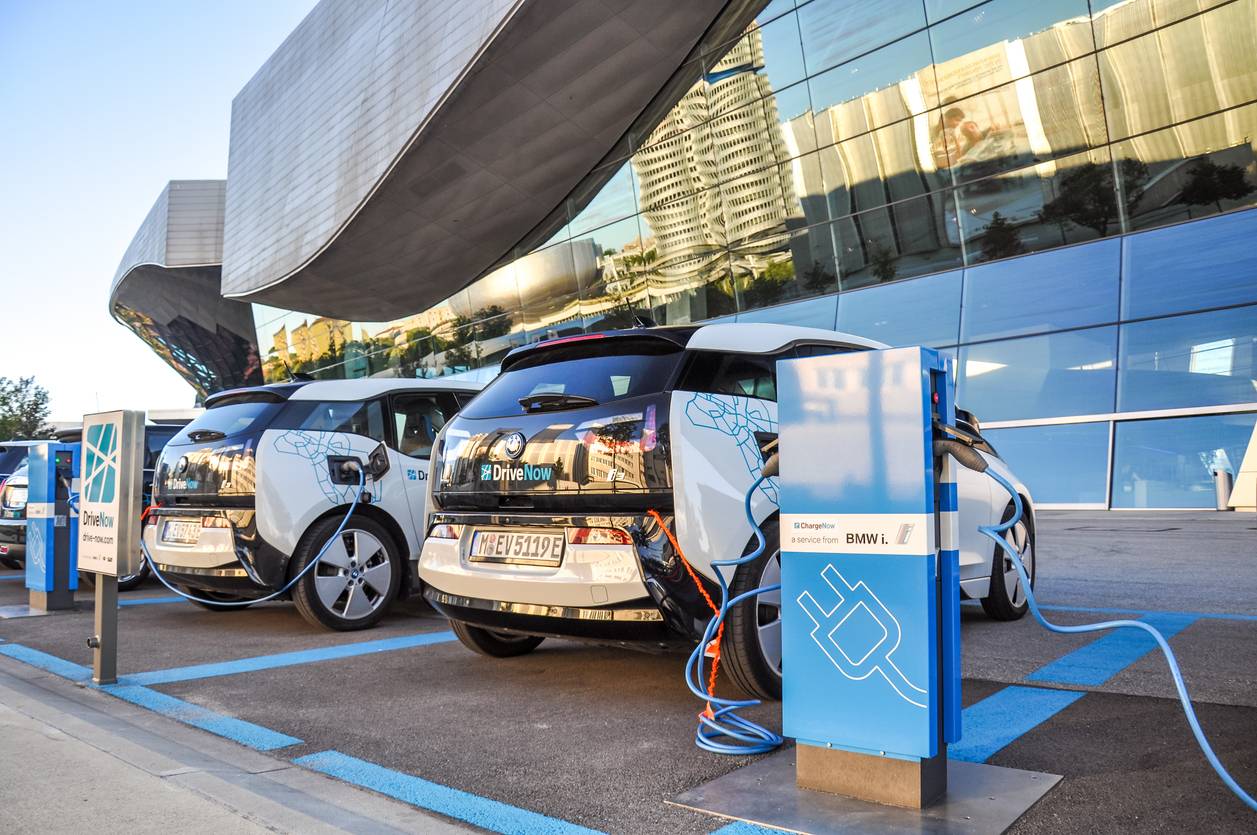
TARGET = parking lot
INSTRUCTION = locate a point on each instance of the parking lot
(603, 738)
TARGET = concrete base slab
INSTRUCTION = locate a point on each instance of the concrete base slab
(980, 799)
(23, 610)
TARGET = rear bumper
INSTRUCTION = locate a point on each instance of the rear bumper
(231, 559)
(620, 592)
(638, 620)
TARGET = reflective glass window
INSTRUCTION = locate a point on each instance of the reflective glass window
(1014, 125)
(884, 86)
(760, 135)
(1040, 207)
(811, 313)
(1195, 67)
(784, 266)
(1007, 39)
(773, 10)
(1060, 464)
(1193, 170)
(873, 169)
(1059, 374)
(549, 289)
(1170, 463)
(1055, 290)
(1120, 20)
(614, 198)
(806, 175)
(766, 57)
(610, 265)
(691, 289)
(1203, 359)
(936, 10)
(835, 31)
(914, 237)
(924, 311)
(1212, 263)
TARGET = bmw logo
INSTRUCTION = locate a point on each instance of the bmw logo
(513, 444)
(182, 466)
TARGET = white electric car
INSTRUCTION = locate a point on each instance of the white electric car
(248, 494)
(551, 490)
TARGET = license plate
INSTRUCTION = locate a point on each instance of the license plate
(515, 547)
(181, 531)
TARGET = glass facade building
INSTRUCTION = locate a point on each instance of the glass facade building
(1057, 193)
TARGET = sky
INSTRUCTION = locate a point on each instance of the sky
(102, 103)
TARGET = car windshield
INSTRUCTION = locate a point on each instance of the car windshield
(583, 374)
(229, 419)
(11, 458)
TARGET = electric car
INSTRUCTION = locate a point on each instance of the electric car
(556, 494)
(249, 493)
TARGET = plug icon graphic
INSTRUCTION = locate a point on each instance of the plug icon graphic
(858, 634)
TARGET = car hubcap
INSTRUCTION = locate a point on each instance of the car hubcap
(768, 613)
(354, 576)
(1019, 538)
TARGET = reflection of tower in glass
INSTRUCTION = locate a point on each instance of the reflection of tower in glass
(692, 221)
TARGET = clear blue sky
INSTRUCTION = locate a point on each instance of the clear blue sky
(101, 103)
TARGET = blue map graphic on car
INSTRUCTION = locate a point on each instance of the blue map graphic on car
(101, 448)
(739, 418)
(315, 447)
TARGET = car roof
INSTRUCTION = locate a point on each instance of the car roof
(364, 388)
(765, 338)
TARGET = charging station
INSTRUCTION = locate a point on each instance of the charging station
(870, 612)
(51, 526)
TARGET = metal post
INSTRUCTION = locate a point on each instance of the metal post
(104, 643)
(1222, 488)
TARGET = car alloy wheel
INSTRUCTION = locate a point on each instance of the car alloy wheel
(355, 575)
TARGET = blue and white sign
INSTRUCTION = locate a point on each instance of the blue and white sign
(109, 497)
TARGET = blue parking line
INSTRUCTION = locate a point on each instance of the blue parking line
(492, 815)
(1094, 610)
(1002, 717)
(1105, 657)
(286, 659)
(13, 577)
(744, 828)
(49, 663)
(237, 730)
(141, 601)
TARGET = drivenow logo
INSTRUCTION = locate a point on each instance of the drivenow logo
(856, 533)
(101, 446)
(507, 472)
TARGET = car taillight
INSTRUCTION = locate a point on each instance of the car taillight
(446, 532)
(598, 536)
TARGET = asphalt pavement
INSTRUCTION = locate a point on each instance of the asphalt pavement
(578, 736)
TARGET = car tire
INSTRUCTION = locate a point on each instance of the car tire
(1006, 599)
(135, 580)
(494, 644)
(750, 651)
(10, 562)
(205, 596)
(355, 582)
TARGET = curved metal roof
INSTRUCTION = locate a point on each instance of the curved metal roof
(389, 154)
(166, 290)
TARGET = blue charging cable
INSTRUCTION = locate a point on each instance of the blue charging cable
(720, 729)
(995, 532)
(362, 483)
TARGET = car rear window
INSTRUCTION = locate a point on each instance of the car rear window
(231, 419)
(604, 371)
